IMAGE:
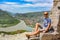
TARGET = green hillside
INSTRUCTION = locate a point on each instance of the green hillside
(6, 19)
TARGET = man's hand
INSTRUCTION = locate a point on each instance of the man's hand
(49, 25)
(44, 31)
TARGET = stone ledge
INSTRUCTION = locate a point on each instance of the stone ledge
(51, 37)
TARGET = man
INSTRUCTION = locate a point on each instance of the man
(46, 27)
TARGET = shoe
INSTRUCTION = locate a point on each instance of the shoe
(28, 36)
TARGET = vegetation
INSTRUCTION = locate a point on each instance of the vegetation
(7, 20)
(14, 32)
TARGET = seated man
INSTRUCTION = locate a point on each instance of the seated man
(46, 27)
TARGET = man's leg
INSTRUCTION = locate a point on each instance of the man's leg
(36, 27)
(36, 30)
(33, 33)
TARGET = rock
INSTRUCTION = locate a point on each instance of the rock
(21, 36)
(59, 25)
(51, 37)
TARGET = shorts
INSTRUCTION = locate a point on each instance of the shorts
(43, 28)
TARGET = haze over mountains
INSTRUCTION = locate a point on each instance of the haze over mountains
(29, 18)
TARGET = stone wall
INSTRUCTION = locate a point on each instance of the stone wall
(59, 25)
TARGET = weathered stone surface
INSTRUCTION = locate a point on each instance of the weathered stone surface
(55, 2)
(58, 26)
(51, 37)
(55, 15)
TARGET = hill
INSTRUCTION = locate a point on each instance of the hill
(6, 19)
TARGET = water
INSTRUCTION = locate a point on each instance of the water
(20, 26)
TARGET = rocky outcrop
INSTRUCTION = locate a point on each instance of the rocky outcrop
(55, 16)
(20, 36)
(58, 25)
(51, 37)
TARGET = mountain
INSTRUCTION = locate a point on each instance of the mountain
(30, 18)
(6, 19)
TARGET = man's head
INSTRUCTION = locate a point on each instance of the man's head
(46, 14)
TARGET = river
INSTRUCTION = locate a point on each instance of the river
(19, 26)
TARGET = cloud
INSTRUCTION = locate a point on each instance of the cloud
(10, 3)
(30, 0)
(50, 1)
(11, 6)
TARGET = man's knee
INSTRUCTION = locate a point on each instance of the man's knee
(37, 24)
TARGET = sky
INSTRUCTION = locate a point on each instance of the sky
(24, 6)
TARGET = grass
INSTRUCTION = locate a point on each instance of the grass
(14, 32)
(8, 23)
(7, 19)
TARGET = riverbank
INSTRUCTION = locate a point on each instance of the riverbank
(20, 26)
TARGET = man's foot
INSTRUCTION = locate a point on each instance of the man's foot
(27, 35)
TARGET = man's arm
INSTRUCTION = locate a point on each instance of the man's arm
(49, 25)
